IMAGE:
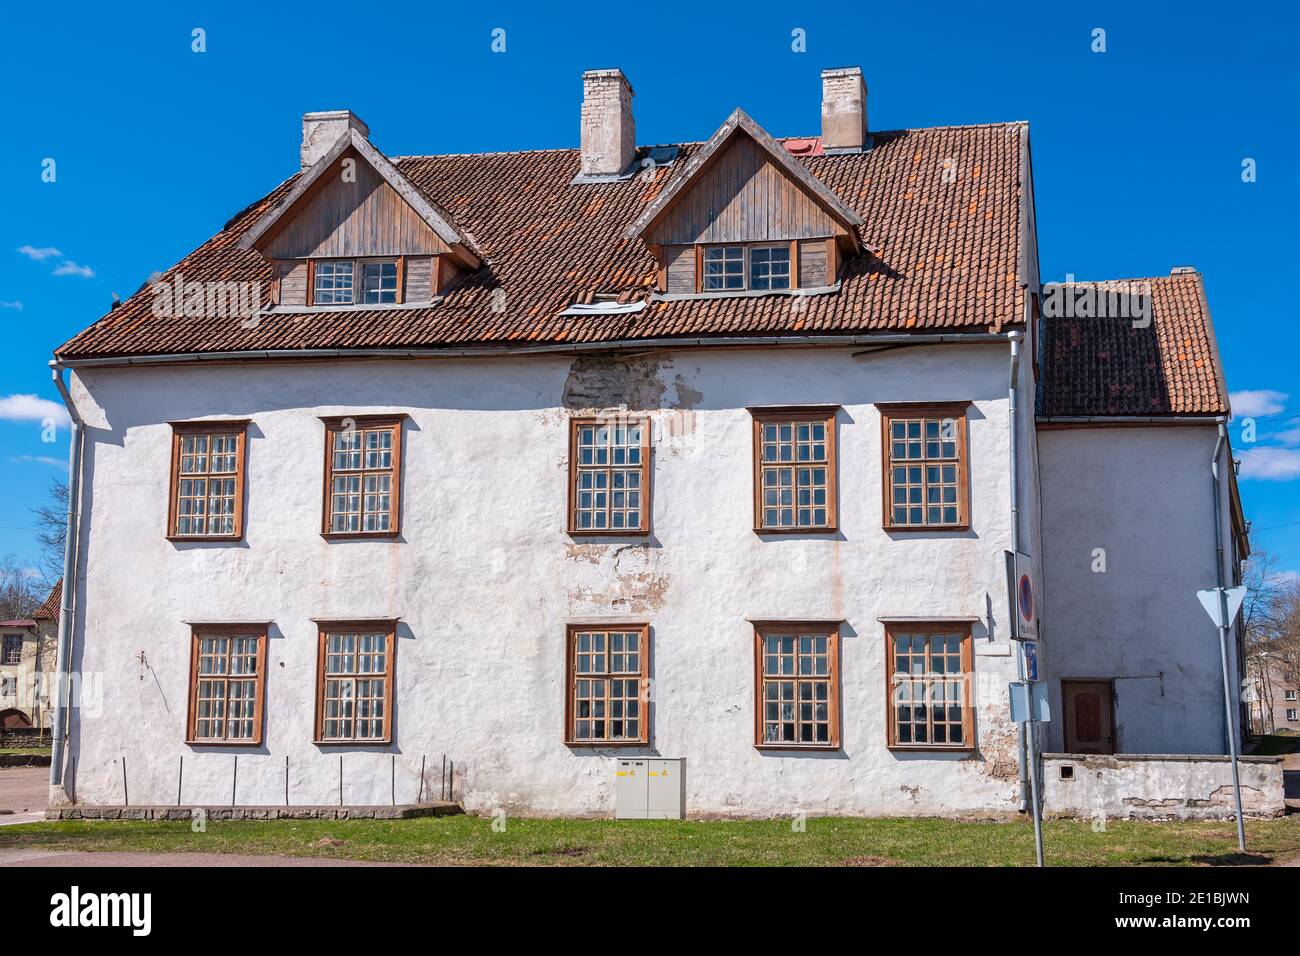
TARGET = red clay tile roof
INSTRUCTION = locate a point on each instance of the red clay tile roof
(946, 258)
(49, 611)
(1095, 366)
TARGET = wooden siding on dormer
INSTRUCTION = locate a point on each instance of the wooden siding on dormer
(743, 197)
(345, 219)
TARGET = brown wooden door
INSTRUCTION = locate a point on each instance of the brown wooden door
(1089, 719)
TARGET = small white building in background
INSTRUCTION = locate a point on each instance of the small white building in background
(535, 460)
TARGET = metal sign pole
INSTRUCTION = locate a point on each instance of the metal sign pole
(1222, 605)
(1227, 712)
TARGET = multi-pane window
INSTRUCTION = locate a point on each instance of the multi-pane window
(724, 268)
(1292, 695)
(797, 692)
(794, 469)
(227, 683)
(1292, 714)
(925, 466)
(609, 476)
(362, 475)
(333, 283)
(356, 281)
(608, 669)
(929, 669)
(13, 649)
(379, 282)
(354, 692)
(769, 267)
(207, 480)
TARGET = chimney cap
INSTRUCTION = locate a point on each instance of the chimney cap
(327, 115)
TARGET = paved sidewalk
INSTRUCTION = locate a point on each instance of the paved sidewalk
(23, 790)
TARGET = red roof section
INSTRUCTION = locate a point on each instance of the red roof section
(942, 210)
(1112, 366)
(49, 611)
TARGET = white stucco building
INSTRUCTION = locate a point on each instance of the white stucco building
(714, 451)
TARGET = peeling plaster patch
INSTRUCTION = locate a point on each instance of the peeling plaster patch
(912, 792)
(604, 382)
(687, 395)
(628, 579)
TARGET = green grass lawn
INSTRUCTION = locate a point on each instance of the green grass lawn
(826, 841)
(25, 751)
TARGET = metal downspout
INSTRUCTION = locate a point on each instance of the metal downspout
(1230, 736)
(1012, 414)
(59, 730)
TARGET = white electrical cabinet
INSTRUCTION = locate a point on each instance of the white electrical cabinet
(650, 788)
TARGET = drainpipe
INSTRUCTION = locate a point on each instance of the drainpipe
(64, 656)
(1012, 415)
(1230, 736)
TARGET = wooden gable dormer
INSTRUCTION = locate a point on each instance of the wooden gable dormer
(743, 215)
(355, 231)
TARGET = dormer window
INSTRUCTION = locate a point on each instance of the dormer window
(379, 282)
(724, 268)
(769, 267)
(333, 284)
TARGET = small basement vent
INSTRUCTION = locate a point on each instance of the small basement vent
(650, 788)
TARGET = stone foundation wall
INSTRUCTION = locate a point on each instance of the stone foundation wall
(1159, 786)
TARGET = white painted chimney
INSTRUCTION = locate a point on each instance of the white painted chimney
(844, 108)
(608, 130)
(320, 131)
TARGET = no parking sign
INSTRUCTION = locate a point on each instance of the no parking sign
(1022, 596)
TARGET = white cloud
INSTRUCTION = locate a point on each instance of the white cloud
(69, 268)
(1262, 401)
(16, 305)
(1288, 436)
(1271, 464)
(40, 460)
(31, 408)
(39, 254)
(1285, 578)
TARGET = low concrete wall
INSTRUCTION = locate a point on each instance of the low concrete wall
(398, 812)
(1159, 786)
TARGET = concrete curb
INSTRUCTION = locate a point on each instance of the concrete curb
(400, 812)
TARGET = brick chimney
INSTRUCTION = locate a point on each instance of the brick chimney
(608, 130)
(320, 131)
(844, 108)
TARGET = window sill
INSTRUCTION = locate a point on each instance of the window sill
(931, 748)
(926, 527)
(815, 747)
(607, 743)
(354, 535)
(609, 532)
(810, 529)
(740, 293)
(227, 538)
(223, 743)
(368, 742)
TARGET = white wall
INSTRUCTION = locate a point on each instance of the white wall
(1143, 495)
(484, 579)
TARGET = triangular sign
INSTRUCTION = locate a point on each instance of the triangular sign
(1209, 599)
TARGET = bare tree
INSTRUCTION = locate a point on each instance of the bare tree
(21, 591)
(51, 530)
(1259, 617)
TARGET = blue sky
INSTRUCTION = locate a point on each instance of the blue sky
(1138, 150)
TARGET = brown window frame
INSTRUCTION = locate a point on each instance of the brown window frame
(824, 414)
(386, 626)
(197, 633)
(576, 469)
(236, 427)
(641, 675)
(957, 411)
(967, 663)
(336, 424)
(358, 271)
(797, 629)
(747, 265)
